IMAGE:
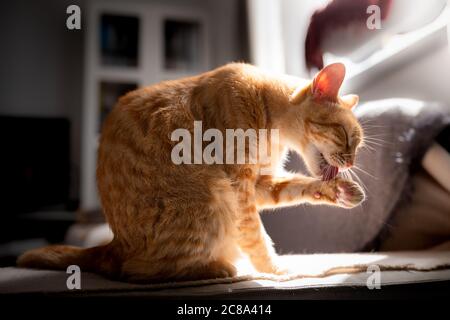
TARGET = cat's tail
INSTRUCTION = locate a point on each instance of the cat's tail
(58, 257)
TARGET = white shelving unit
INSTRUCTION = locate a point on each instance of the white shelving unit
(132, 44)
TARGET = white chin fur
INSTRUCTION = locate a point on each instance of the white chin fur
(311, 159)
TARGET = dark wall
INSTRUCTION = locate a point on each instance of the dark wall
(41, 64)
(41, 61)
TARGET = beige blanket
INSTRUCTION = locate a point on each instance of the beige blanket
(307, 271)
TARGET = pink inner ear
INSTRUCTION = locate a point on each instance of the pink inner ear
(328, 81)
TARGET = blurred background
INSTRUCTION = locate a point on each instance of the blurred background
(58, 84)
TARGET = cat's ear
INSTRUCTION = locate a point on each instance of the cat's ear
(349, 101)
(328, 81)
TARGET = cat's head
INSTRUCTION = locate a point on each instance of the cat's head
(331, 132)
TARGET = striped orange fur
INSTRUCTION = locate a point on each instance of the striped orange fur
(187, 222)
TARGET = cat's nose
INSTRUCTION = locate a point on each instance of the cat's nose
(349, 163)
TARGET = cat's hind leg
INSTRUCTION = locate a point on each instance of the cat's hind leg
(147, 271)
(192, 239)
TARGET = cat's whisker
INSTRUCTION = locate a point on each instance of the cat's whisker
(347, 175)
(375, 145)
(376, 135)
(370, 120)
(364, 171)
(379, 141)
(367, 147)
(367, 142)
(372, 126)
(359, 180)
(375, 139)
(381, 138)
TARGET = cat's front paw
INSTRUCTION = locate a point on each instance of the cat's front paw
(273, 266)
(349, 194)
(277, 269)
(340, 192)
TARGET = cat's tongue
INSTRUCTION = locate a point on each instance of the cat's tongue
(329, 172)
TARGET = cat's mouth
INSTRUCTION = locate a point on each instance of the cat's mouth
(327, 171)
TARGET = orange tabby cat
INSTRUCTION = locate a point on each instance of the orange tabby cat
(190, 221)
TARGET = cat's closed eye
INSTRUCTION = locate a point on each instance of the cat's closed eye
(344, 135)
